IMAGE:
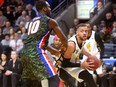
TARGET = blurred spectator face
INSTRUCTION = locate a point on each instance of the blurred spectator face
(23, 30)
(95, 28)
(16, 36)
(108, 16)
(20, 8)
(29, 7)
(14, 55)
(76, 22)
(104, 29)
(11, 32)
(28, 18)
(21, 25)
(102, 23)
(24, 13)
(8, 8)
(8, 24)
(114, 24)
(3, 57)
(57, 42)
(71, 31)
(99, 5)
(7, 37)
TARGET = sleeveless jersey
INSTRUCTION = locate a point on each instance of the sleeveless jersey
(35, 64)
(74, 72)
(91, 44)
(91, 47)
(38, 31)
(76, 54)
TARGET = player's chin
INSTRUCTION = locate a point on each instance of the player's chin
(84, 38)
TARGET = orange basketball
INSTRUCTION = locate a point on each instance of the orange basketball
(96, 62)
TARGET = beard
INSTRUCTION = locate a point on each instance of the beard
(82, 38)
(48, 14)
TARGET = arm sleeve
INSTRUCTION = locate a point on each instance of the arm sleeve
(67, 63)
(100, 44)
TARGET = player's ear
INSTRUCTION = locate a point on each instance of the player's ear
(44, 9)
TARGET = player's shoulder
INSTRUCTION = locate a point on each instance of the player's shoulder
(52, 23)
(36, 18)
(52, 20)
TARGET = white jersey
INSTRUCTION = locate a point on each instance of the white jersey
(75, 59)
(91, 47)
(75, 55)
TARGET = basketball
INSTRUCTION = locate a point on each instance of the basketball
(96, 62)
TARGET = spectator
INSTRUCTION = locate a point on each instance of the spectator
(102, 24)
(98, 8)
(16, 43)
(21, 25)
(9, 14)
(108, 21)
(18, 11)
(21, 18)
(30, 11)
(71, 32)
(5, 42)
(27, 21)
(114, 32)
(23, 33)
(114, 14)
(103, 34)
(11, 33)
(7, 27)
(3, 66)
(12, 4)
(3, 19)
(76, 22)
(13, 71)
(95, 28)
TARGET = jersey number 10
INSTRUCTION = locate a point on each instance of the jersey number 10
(33, 27)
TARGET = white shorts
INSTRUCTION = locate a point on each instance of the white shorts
(74, 72)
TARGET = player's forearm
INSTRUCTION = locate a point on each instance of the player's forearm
(84, 52)
(53, 51)
(66, 63)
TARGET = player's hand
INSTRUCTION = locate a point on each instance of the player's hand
(8, 72)
(92, 56)
(87, 65)
(62, 49)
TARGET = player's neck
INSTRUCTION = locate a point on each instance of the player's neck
(79, 41)
(41, 13)
(90, 32)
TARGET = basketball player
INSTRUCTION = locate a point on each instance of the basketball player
(95, 46)
(71, 64)
(37, 42)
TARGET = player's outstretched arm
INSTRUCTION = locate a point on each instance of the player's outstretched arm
(53, 50)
